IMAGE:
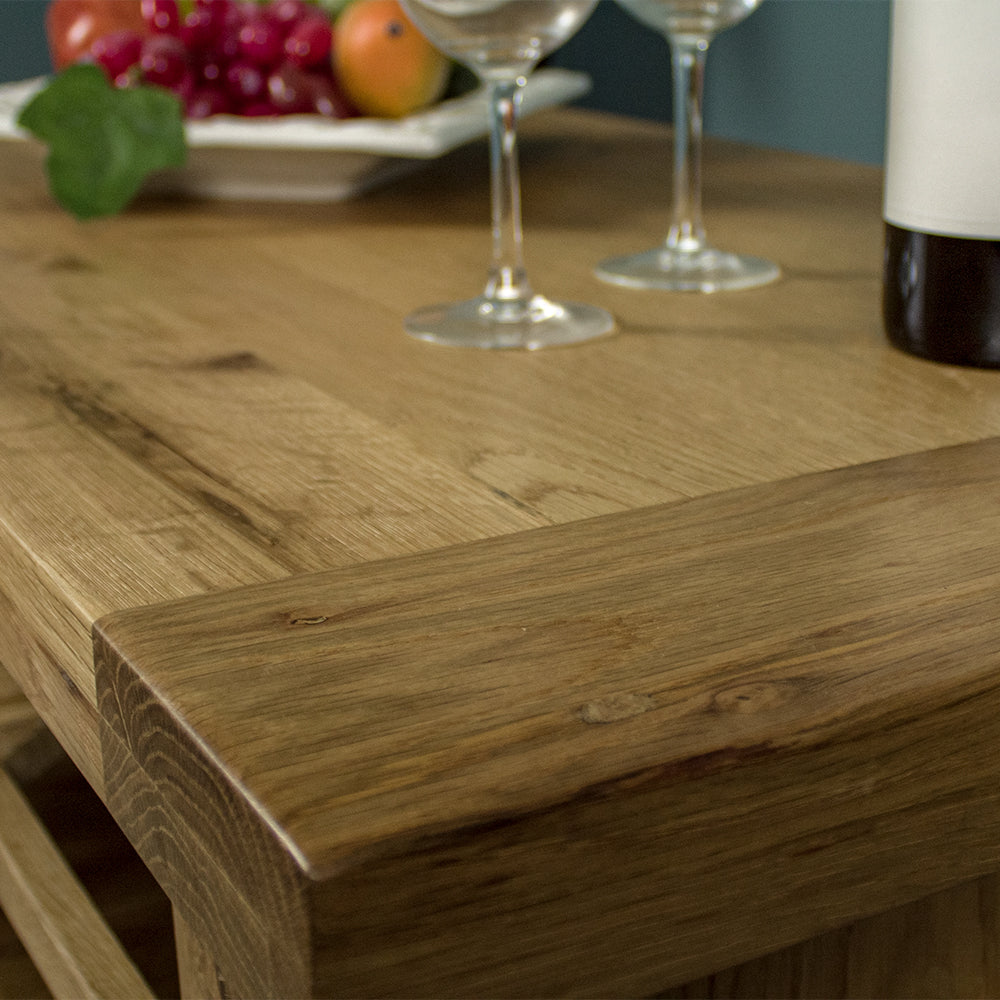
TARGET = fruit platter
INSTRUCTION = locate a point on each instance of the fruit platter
(305, 100)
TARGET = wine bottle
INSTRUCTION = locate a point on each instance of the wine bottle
(941, 287)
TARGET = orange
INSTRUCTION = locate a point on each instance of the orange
(384, 65)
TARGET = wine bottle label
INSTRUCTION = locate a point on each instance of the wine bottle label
(943, 133)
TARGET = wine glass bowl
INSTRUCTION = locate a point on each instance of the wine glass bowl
(686, 261)
(698, 18)
(501, 41)
(499, 38)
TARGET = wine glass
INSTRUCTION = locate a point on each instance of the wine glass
(686, 261)
(501, 41)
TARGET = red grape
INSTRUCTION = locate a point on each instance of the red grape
(260, 40)
(162, 16)
(260, 109)
(287, 13)
(328, 99)
(199, 28)
(309, 42)
(231, 57)
(245, 82)
(288, 88)
(117, 52)
(164, 60)
(206, 102)
(212, 73)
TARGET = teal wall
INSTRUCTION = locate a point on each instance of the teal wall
(807, 75)
(23, 52)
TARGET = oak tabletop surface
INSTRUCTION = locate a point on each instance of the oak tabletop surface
(197, 397)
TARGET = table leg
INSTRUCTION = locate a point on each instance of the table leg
(199, 975)
(945, 946)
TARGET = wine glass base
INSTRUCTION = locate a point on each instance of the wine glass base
(517, 325)
(706, 270)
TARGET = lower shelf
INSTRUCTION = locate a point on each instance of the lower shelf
(120, 887)
(19, 979)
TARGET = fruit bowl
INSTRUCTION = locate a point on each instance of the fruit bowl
(311, 158)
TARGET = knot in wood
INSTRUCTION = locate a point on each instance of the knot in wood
(616, 707)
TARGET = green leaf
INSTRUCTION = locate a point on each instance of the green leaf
(103, 141)
(332, 7)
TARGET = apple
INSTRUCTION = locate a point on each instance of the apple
(72, 26)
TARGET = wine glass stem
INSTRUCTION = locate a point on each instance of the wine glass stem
(687, 58)
(508, 280)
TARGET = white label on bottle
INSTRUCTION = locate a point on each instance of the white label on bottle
(943, 149)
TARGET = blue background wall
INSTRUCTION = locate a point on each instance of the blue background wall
(808, 75)
(797, 74)
(22, 39)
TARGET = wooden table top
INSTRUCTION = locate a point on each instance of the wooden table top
(202, 397)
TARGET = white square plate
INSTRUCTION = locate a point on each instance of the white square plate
(311, 158)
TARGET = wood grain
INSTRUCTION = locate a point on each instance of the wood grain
(944, 946)
(97, 858)
(150, 463)
(62, 930)
(196, 397)
(19, 723)
(19, 979)
(225, 393)
(733, 723)
(199, 975)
